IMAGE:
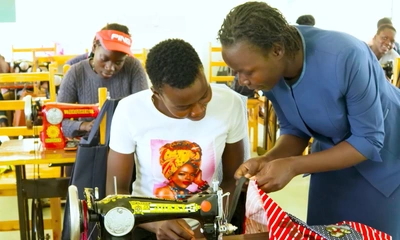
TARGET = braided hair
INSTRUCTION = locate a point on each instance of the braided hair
(260, 25)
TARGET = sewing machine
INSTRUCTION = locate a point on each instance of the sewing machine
(388, 68)
(117, 215)
(52, 114)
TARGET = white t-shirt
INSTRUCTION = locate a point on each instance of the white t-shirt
(137, 126)
(389, 56)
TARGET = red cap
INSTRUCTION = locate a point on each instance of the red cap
(115, 41)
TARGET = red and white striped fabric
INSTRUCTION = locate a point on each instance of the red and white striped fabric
(263, 214)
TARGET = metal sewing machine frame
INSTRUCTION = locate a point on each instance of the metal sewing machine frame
(51, 115)
(119, 214)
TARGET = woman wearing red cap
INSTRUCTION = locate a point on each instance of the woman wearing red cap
(111, 66)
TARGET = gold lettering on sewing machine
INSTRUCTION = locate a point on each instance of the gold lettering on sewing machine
(52, 140)
(140, 207)
(78, 111)
(147, 207)
(113, 198)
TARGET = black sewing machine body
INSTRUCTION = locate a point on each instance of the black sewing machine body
(388, 68)
(117, 215)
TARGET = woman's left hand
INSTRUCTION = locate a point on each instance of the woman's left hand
(276, 174)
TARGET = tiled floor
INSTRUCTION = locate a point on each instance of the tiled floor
(293, 199)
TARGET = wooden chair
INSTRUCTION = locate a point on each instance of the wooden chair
(66, 67)
(270, 122)
(141, 56)
(9, 79)
(253, 105)
(396, 72)
(60, 60)
(33, 51)
(212, 64)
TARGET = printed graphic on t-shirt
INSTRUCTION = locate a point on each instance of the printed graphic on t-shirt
(181, 168)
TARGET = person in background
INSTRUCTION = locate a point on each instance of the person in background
(84, 56)
(382, 44)
(79, 58)
(386, 21)
(185, 134)
(112, 66)
(308, 20)
(333, 90)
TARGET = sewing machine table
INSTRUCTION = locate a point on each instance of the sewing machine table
(28, 151)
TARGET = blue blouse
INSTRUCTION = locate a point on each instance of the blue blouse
(343, 95)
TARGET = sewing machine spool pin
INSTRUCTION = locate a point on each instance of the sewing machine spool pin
(115, 185)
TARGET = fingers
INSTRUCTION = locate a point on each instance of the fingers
(267, 187)
(91, 124)
(185, 230)
(175, 229)
(242, 171)
(272, 179)
(248, 169)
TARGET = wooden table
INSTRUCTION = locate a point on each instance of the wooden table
(256, 236)
(28, 151)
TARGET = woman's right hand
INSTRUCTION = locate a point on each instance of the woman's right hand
(174, 229)
(252, 166)
(86, 126)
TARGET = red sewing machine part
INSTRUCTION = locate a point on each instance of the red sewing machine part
(53, 114)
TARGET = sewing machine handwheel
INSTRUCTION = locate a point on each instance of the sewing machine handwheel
(76, 214)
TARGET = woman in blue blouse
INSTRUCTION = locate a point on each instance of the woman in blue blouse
(329, 86)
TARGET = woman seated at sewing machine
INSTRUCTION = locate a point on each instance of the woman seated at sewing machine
(184, 134)
(112, 66)
(382, 47)
(383, 42)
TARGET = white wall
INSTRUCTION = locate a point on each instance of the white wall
(43, 22)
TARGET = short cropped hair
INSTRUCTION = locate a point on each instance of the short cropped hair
(173, 62)
(306, 20)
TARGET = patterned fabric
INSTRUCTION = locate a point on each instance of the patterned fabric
(255, 218)
(282, 225)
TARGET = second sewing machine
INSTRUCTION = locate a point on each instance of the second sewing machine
(51, 115)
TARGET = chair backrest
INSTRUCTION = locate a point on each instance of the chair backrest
(13, 80)
(60, 60)
(220, 64)
(33, 51)
(141, 56)
(66, 67)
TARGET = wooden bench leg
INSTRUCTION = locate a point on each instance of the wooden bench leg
(55, 209)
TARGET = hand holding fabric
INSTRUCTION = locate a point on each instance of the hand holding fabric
(271, 175)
